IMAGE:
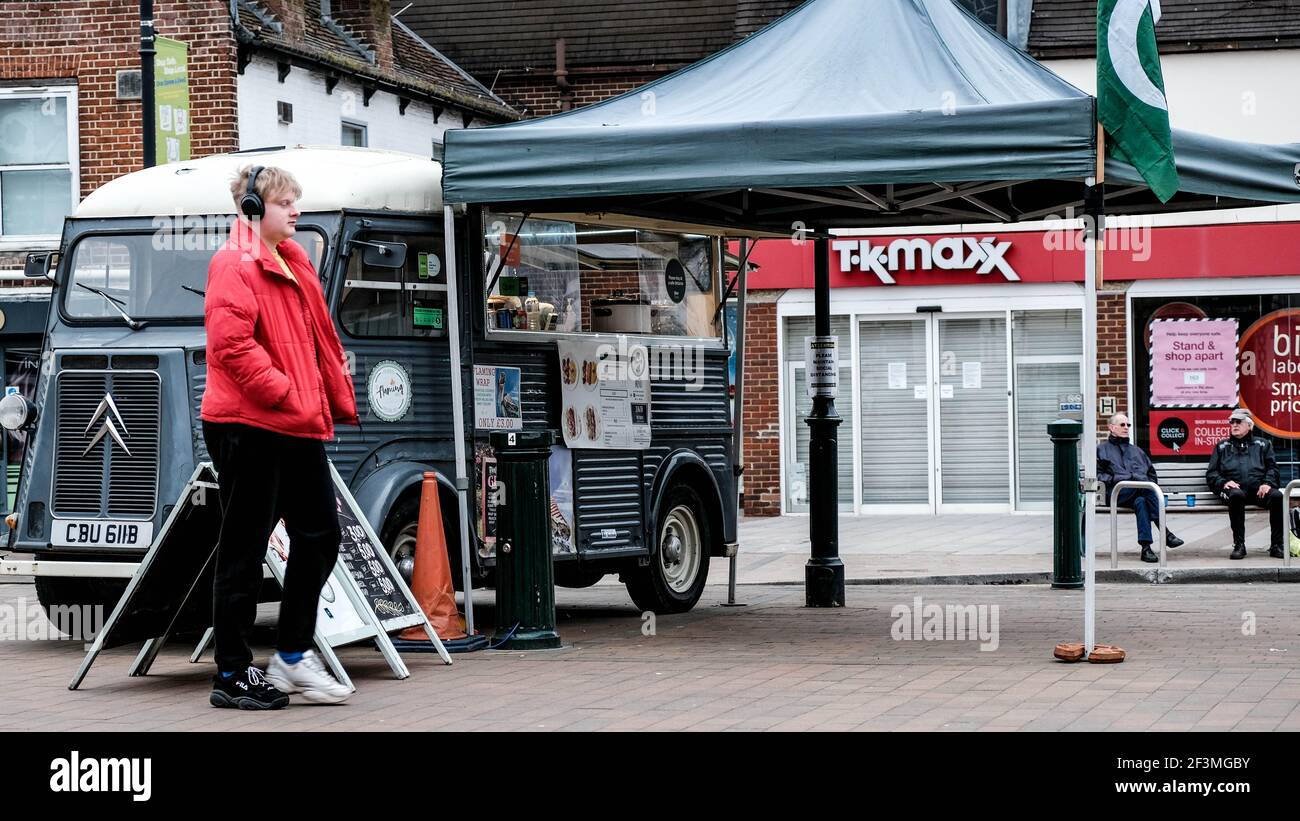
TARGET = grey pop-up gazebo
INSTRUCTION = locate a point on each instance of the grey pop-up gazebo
(852, 113)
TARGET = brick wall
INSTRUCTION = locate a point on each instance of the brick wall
(762, 407)
(538, 95)
(1112, 349)
(86, 42)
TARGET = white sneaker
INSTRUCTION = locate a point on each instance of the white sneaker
(308, 677)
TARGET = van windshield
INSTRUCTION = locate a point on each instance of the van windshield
(154, 275)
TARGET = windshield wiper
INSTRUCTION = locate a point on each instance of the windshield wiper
(115, 304)
(195, 291)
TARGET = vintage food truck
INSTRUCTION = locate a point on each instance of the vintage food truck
(605, 331)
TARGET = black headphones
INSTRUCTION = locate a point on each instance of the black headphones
(251, 203)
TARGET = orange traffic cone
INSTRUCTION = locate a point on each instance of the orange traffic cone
(431, 578)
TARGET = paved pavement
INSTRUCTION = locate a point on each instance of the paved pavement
(771, 665)
(911, 546)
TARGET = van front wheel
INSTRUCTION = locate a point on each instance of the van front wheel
(78, 607)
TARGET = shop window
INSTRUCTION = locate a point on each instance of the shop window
(558, 276)
(410, 301)
(1267, 359)
(38, 162)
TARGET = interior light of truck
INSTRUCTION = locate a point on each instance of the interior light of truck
(16, 412)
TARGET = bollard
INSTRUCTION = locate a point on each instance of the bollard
(1067, 505)
(525, 574)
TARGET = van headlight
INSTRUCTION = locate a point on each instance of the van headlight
(17, 412)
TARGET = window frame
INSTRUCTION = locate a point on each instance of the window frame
(345, 123)
(10, 242)
(64, 278)
(404, 234)
(717, 253)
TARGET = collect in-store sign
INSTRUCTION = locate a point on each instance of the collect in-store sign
(1270, 372)
(822, 363)
(1189, 432)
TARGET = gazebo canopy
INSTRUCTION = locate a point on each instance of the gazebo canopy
(845, 113)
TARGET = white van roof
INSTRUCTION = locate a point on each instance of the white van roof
(332, 178)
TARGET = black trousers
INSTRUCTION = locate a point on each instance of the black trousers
(264, 477)
(1237, 499)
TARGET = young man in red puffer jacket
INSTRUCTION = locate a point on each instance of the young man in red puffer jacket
(277, 383)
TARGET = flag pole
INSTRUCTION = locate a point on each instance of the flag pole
(1094, 249)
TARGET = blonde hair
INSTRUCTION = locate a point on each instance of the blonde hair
(270, 181)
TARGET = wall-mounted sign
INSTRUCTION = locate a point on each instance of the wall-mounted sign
(983, 255)
(1070, 406)
(171, 100)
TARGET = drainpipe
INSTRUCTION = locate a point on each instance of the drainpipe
(562, 76)
(146, 82)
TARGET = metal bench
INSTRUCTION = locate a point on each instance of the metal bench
(1182, 487)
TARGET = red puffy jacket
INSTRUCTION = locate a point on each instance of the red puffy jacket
(274, 358)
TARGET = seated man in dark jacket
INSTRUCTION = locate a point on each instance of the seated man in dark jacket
(1120, 460)
(1242, 469)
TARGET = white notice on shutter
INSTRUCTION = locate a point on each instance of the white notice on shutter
(897, 376)
(970, 375)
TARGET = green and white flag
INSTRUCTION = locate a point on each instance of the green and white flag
(1131, 91)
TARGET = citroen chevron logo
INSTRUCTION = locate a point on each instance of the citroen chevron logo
(108, 410)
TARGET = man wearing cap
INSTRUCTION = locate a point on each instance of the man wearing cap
(1120, 460)
(1242, 469)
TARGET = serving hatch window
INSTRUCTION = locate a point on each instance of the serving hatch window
(569, 277)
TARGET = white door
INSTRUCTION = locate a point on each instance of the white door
(973, 413)
(797, 449)
(895, 375)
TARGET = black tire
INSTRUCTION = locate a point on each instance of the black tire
(674, 580)
(58, 594)
(400, 530)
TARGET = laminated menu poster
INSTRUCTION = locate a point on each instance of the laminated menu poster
(605, 394)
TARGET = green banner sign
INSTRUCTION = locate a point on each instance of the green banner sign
(171, 101)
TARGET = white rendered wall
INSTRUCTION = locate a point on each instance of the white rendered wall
(318, 116)
(1241, 95)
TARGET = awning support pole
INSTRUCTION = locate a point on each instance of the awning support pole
(1094, 248)
(738, 421)
(458, 412)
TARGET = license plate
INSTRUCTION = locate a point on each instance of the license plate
(101, 533)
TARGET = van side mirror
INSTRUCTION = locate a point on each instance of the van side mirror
(38, 265)
(383, 254)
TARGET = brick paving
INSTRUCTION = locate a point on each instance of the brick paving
(771, 665)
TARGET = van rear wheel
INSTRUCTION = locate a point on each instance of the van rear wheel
(679, 566)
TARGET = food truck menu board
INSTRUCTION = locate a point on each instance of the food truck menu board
(605, 394)
(367, 564)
